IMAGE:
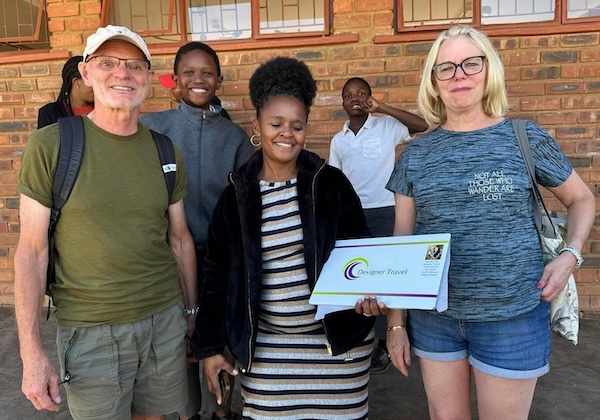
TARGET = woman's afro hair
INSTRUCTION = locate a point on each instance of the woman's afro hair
(282, 76)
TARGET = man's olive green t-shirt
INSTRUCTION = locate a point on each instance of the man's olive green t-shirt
(113, 262)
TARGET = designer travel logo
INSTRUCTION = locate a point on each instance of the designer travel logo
(351, 268)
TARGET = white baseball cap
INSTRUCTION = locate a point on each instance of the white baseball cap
(104, 34)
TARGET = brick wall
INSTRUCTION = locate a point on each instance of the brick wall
(554, 80)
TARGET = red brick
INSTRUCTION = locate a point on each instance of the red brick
(328, 69)
(411, 79)
(539, 41)
(9, 72)
(56, 25)
(576, 132)
(342, 6)
(11, 99)
(352, 21)
(579, 71)
(26, 112)
(231, 104)
(66, 39)
(329, 128)
(588, 117)
(535, 104)
(8, 238)
(592, 289)
(346, 53)
(403, 64)
(155, 106)
(373, 5)
(526, 88)
(7, 113)
(91, 9)
(519, 58)
(54, 83)
(320, 114)
(87, 24)
(581, 102)
(384, 19)
(565, 88)
(594, 302)
(236, 89)
(328, 100)
(403, 95)
(366, 67)
(40, 97)
(21, 85)
(62, 10)
(590, 55)
(557, 118)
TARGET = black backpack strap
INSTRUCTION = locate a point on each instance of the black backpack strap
(166, 154)
(69, 160)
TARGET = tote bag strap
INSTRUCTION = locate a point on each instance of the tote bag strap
(519, 126)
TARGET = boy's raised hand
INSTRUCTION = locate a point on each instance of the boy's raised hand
(370, 105)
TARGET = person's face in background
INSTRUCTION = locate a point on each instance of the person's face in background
(118, 88)
(281, 126)
(81, 94)
(197, 78)
(354, 96)
(461, 93)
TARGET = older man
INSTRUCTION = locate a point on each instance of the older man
(123, 248)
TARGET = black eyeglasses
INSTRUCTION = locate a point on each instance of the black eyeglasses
(110, 63)
(470, 66)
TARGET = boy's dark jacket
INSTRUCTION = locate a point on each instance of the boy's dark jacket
(231, 293)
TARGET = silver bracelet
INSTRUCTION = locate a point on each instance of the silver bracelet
(191, 311)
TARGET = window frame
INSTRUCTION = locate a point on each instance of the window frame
(278, 38)
(559, 25)
(18, 40)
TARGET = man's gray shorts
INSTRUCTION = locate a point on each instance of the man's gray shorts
(116, 370)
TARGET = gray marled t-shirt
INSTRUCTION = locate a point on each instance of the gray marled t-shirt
(475, 186)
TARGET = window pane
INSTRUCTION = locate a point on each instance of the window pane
(515, 11)
(292, 16)
(582, 8)
(155, 20)
(437, 12)
(19, 28)
(211, 20)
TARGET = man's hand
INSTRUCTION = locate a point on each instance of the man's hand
(40, 384)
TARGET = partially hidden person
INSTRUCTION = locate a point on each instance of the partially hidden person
(125, 259)
(467, 177)
(365, 150)
(212, 147)
(273, 229)
(75, 97)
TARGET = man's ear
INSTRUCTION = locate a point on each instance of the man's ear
(82, 67)
(219, 82)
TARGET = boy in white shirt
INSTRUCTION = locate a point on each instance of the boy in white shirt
(365, 151)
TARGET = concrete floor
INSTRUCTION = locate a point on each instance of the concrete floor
(570, 391)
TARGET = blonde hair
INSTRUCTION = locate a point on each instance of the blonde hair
(495, 101)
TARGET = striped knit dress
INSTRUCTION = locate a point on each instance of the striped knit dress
(292, 374)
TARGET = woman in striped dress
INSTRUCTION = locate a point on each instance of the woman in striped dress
(271, 233)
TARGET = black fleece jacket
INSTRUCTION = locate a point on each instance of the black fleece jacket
(50, 113)
(231, 291)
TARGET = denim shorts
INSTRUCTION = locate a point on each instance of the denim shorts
(116, 370)
(514, 348)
